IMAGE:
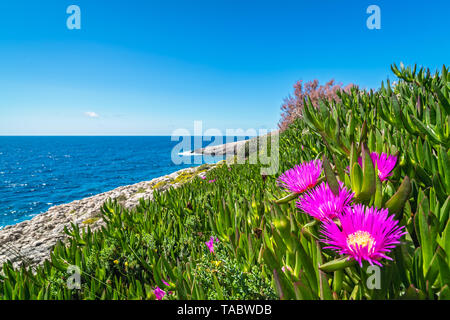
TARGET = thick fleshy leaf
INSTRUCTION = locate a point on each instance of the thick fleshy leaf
(287, 198)
(398, 200)
(337, 264)
(369, 177)
(330, 176)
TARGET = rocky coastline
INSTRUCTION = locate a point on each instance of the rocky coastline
(31, 241)
(233, 148)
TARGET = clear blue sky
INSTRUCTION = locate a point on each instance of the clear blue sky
(149, 67)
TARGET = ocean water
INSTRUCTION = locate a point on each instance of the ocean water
(39, 172)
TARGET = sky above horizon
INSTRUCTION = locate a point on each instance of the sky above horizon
(149, 68)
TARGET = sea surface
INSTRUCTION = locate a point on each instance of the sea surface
(39, 172)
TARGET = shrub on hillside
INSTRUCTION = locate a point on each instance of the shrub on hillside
(293, 105)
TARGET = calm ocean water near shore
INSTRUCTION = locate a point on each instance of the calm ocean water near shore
(39, 172)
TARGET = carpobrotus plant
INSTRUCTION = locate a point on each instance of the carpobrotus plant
(398, 216)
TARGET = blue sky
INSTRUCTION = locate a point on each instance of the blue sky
(150, 67)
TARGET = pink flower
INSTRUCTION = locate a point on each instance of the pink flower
(159, 293)
(321, 203)
(210, 244)
(386, 163)
(203, 177)
(167, 284)
(365, 234)
(211, 181)
(302, 177)
(284, 268)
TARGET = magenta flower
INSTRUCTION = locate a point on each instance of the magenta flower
(211, 181)
(166, 283)
(203, 177)
(210, 244)
(386, 163)
(302, 177)
(159, 293)
(321, 203)
(365, 234)
(284, 268)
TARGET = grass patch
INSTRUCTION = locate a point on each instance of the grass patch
(91, 220)
(140, 190)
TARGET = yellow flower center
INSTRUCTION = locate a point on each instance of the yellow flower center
(361, 238)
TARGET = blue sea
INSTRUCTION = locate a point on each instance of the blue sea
(39, 172)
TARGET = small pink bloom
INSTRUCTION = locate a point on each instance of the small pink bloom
(210, 244)
(301, 177)
(283, 268)
(322, 204)
(159, 293)
(386, 163)
(211, 181)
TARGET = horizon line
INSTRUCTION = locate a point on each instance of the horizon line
(155, 135)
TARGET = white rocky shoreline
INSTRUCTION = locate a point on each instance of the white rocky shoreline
(31, 241)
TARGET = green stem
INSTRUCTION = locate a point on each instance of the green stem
(287, 198)
(337, 264)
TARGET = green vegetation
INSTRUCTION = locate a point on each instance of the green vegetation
(269, 249)
(140, 190)
(91, 220)
(184, 177)
(160, 184)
